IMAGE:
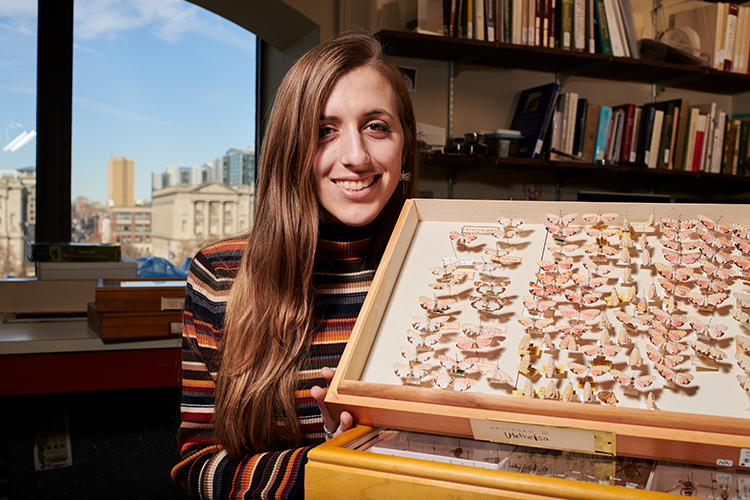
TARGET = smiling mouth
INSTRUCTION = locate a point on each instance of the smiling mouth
(355, 185)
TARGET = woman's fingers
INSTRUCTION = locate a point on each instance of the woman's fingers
(319, 394)
(327, 374)
(331, 426)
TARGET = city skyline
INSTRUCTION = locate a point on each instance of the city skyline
(162, 83)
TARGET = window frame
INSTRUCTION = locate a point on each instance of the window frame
(55, 113)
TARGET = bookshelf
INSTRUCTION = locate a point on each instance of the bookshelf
(564, 64)
(504, 55)
(456, 165)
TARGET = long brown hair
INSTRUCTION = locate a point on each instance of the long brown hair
(270, 317)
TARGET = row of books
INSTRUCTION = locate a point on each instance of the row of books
(669, 134)
(722, 31)
(596, 26)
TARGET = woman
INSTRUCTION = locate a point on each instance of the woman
(265, 313)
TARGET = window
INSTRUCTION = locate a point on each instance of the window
(147, 90)
(18, 76)
(117, 93)
(123, 215)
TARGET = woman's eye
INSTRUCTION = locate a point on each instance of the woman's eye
(324, 132)
(379, 127)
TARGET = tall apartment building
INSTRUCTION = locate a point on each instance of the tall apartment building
(120, 182)
(235, 168)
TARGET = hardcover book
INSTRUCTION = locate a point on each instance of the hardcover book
(532, 118)
(602, 132)
(627, 133)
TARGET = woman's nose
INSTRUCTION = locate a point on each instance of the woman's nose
(354, 150)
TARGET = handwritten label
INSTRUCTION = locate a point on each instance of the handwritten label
(479, 229)
(172, 303)
(563, 438)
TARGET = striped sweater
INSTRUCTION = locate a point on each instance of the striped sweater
(343, 273)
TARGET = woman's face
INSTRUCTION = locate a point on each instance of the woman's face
(360, 149)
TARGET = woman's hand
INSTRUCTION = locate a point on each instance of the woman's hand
(330, 426)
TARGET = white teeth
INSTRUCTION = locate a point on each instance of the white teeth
(355, 186)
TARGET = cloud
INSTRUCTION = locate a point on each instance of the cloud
(169, 20)
(116, 112)
(19, 90)
(18, 8)
(85, 49)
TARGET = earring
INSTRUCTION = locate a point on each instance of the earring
(405, 177)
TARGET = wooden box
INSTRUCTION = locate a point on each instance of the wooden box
(140, 295)
(703, 422)
(340, 469)
(124, 326)
(137, 309)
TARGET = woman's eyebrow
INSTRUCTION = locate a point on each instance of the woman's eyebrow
(374, 112)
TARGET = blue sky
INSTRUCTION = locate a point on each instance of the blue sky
(159, 81)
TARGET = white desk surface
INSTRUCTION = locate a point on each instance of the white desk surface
(65, 336)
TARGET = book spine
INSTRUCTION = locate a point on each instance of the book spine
(525, 22)
(653, 150)
(629, 26)
(589, 131)
(602, 28)
(682, 124)
(700, 132)
(627, 132)
(572, 112)
(718, 143)
(721, 33)
(644, 135)
(605, 116)
(636, 131)
(618, 135)
(469, 33)
(744, 140)
(729, 40)
(692, 126)
(507, 21)
(566, 24)
(552, 16)
(544, 16)
(580, 126)
(615, 36)
(490, 18)
(517, 22)
(709, 138)
(675, 118)
(610, 134)
(449, 17)
(478, 26)
(739, 33)
(736, 156)
(665, 147)
(590, 27)
(579, 25)
(531, 19)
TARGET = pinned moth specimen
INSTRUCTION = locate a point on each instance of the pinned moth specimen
(707, 350)
(682, 378)
(608, 397)
(444, 380)
(494, 373)
(463, 238)
(626, 380)
(437, 306)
